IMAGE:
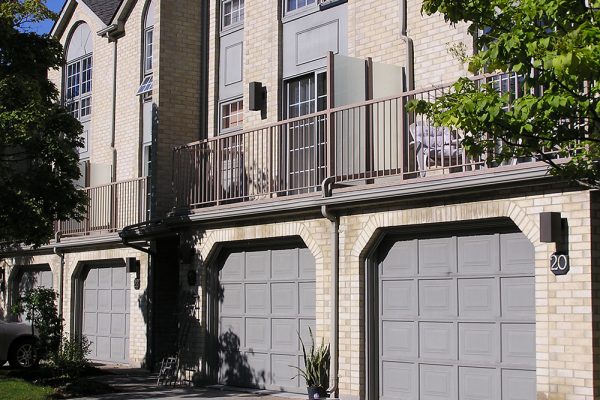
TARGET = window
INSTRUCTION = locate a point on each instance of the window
(232, 13)
(232, 115)
(305, 163)
(148, 41)
(78, 99)
(146, 86)
(292, 5)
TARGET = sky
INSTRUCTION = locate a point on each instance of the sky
(45, 26)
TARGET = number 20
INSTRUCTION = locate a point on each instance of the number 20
(558, 262)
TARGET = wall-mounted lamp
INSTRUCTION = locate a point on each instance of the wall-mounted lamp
(133, 266)
(191, 277)
(554, 229)
(2, 280)
(257, 95)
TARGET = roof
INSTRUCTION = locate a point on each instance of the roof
(104, 9)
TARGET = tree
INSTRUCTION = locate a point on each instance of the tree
(38, 138)
(553, 49)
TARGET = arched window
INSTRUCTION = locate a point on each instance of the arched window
(78, 88)
(148, 43)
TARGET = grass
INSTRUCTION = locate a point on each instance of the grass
(17, 389)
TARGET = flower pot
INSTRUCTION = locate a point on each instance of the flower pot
(316, 393)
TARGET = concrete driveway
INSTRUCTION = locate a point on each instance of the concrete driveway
(138, 384)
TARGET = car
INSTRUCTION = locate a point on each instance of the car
(18, 344)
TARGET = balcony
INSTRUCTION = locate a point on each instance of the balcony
(109, 209)
(376, 141)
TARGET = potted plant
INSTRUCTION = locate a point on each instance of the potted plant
(316, 368)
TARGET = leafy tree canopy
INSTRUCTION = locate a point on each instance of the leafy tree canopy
(553, 48)
(38, 138)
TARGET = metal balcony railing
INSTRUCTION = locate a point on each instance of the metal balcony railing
(110, 208)
(365, 141)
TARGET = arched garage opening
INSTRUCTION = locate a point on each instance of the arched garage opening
(24, 278)
(451, 313)
(100, 308)
(262, 296)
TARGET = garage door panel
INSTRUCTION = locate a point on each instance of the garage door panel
(398, 298)
(233, 326)
(399, 381)
(233, 269)
(283, 374)
(91, 279)
(258, 265)
(478, 298)
(478, 342)
(45, 279)
(516, 254)
(307, 298)
(259, 368)
(478, 254)
(437, 382)
(233, 299)
(284, 298)
(103, 324)
(103, 347)
(437, 340)
(90, 323)
(284, 264)
(117, 324)
(119, 276)
(257, 333)
(399, 339)
(401, 260)
(104, 277)
(118, 300)
(90, 297)
(478, 383)
(104, 300)
(437, 298)
(257, 298)
(307, 264)
(518, 385)
(518, 344)
(117, 348)
(518, 296)
(305, 324)
(437, 256)
(284, 335)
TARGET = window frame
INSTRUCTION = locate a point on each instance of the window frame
(240, 15)
(299, 11)
(76, 103)
(240, 112)
(148, 46)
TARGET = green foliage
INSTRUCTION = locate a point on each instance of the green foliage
(17, 389)
(39, 305)
(71, 359)
(38, 138)
(554, 48)
(316, 364)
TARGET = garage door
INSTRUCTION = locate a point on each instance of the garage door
(32, 278)
(106, 313)
(268, 297)
(457, 319)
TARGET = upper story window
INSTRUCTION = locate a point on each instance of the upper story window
(291, 5)
(78, 74)
(147, 51)
(232, 12)
(232, 115)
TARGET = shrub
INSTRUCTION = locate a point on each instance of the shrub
(71, 358)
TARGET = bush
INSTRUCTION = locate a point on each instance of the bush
(39, 305)
(71, 359)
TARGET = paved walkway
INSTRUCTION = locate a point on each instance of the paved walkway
(138, 384)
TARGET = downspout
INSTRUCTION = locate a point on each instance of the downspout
(113, 126)
(60, 279)
(335, 272)
(410, 48)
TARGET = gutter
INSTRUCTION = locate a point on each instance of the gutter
(327, 187)
(61, 272)
(410, 48)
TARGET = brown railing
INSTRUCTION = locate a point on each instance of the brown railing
(374, 139)
(109, 208)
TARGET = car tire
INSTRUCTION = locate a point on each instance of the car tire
(23, 354)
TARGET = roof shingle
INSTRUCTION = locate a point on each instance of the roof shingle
(104, 9)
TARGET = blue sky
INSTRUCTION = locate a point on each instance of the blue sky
(45, 26)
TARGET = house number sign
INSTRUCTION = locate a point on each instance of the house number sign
(559, 263)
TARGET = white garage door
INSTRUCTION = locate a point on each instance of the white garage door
(268, 297)
(457, 319)
(106, 313)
